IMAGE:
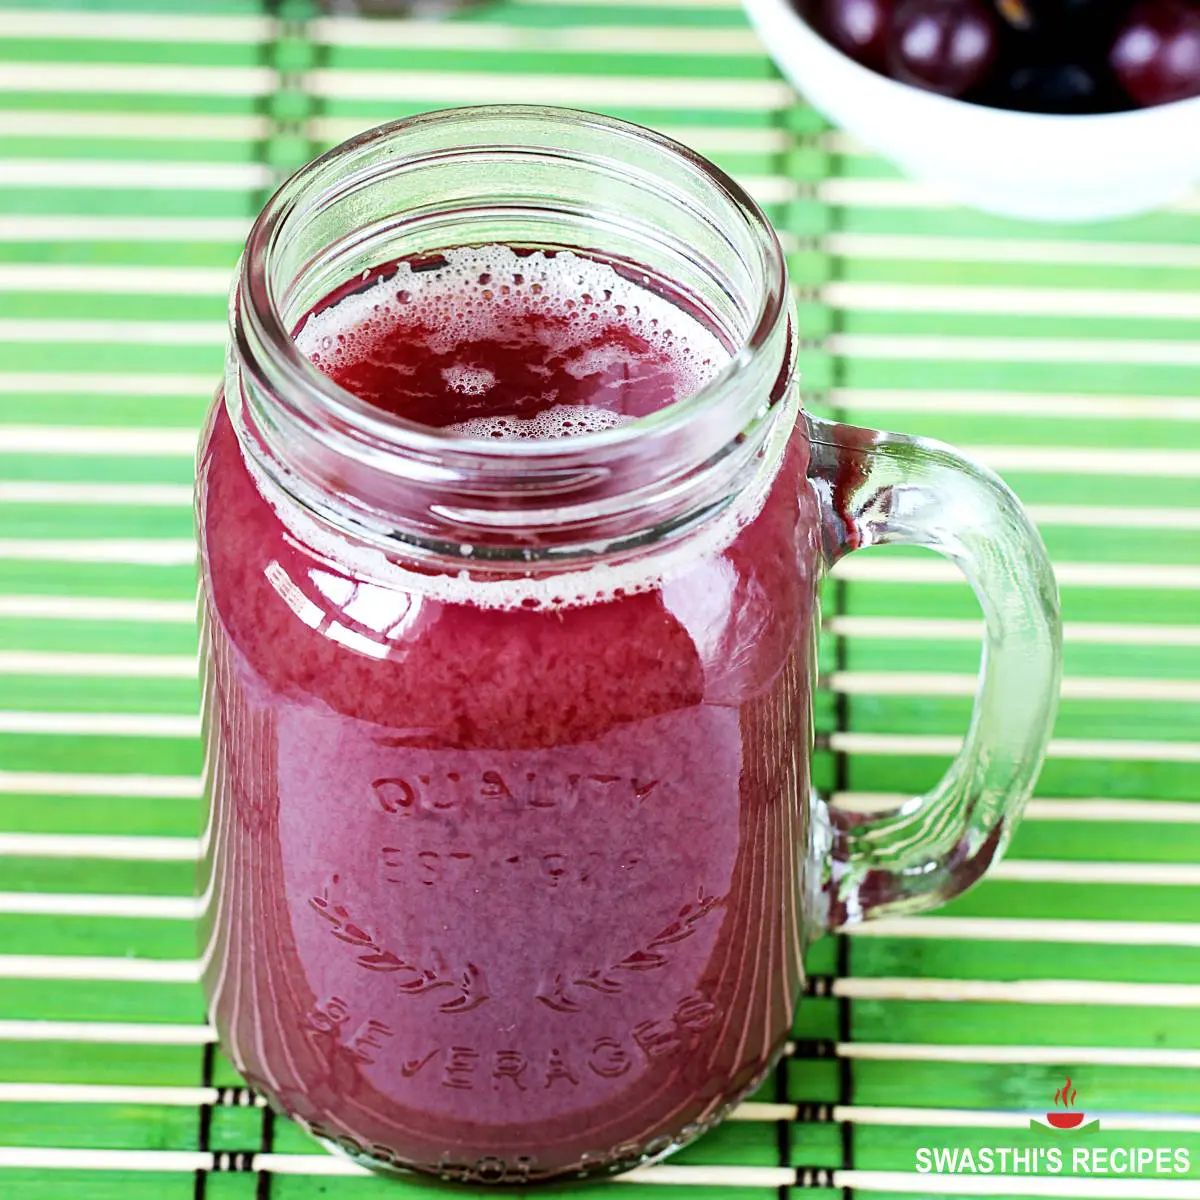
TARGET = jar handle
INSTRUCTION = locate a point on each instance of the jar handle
(887, 489)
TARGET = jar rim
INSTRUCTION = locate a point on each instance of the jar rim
(326, 400)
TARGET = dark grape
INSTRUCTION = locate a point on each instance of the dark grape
(860, 28)
(1156, 56)
(945, 46)
(1053, 88)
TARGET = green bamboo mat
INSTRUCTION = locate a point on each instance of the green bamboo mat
(137, 140)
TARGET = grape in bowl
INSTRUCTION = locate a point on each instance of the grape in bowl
(1063, 56)
(1068, 110)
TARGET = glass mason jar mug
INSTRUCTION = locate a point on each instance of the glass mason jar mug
(512, 854)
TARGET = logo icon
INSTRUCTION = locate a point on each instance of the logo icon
(1065, 1117)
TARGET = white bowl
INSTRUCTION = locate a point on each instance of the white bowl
(1054, 168)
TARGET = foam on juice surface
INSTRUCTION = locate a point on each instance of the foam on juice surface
(561, 421)
(570, 325)
(487, 293)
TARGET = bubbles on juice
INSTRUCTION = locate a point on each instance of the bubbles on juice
(561, 421)
(598, 358)
(468, 380)
(489, 292)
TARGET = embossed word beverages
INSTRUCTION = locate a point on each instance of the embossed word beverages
(497, 859)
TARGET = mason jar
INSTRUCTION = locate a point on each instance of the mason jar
(512, 852)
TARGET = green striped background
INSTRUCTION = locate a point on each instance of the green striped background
(136, 143)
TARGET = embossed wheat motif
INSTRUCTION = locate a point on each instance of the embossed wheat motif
(648, 957)
(412, 979)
